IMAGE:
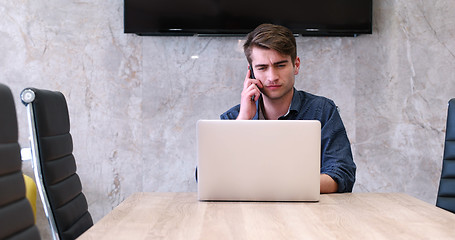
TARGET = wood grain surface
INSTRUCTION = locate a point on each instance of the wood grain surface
(335, 216)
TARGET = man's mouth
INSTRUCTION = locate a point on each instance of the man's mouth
(273, 86)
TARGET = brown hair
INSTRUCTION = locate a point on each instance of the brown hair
(270, 36)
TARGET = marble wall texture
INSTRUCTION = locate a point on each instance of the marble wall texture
(134, 101)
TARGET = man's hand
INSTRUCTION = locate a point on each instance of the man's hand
(328, 185)
(250, 94)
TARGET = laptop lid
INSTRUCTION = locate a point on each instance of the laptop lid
(260, 160)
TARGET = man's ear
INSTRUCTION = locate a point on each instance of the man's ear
(296, 65)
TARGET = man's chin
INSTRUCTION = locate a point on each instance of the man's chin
(273, 96)
(277, 95)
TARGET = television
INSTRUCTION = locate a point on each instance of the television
(238, 17)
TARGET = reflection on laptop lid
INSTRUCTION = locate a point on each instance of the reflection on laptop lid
(260, 160)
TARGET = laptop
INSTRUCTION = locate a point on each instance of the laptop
(258, 160)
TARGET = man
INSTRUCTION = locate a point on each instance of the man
(269, 93)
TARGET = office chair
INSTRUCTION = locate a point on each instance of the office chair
(446, 192)
(59, 185)
(16, 216)
(30, 193)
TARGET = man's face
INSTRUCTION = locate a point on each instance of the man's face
(275, 71)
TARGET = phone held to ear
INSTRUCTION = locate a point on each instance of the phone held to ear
(251, 73)
(252, 77)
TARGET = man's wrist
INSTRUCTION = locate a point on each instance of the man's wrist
(241, 117)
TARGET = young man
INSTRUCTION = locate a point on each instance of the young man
(269, 94)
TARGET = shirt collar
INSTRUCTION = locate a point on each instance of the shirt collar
(296, 103)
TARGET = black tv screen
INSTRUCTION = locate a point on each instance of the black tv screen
(238, 17)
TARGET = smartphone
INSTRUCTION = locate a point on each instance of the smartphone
(251, 73)
(252, 77)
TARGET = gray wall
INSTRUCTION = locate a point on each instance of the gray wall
(134, 101)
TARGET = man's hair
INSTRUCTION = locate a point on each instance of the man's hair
(270, 36)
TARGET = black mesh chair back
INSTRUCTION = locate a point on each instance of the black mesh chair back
(65, 205)
(446, 193)
(16, 215)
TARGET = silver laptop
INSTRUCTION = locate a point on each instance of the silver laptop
(259, 160)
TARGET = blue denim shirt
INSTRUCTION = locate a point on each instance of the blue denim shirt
(336, 155)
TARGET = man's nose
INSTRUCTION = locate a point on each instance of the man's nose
(272, 74)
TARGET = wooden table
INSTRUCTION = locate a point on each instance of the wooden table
(335, 216)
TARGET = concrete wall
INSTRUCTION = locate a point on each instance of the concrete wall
(134, 101)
